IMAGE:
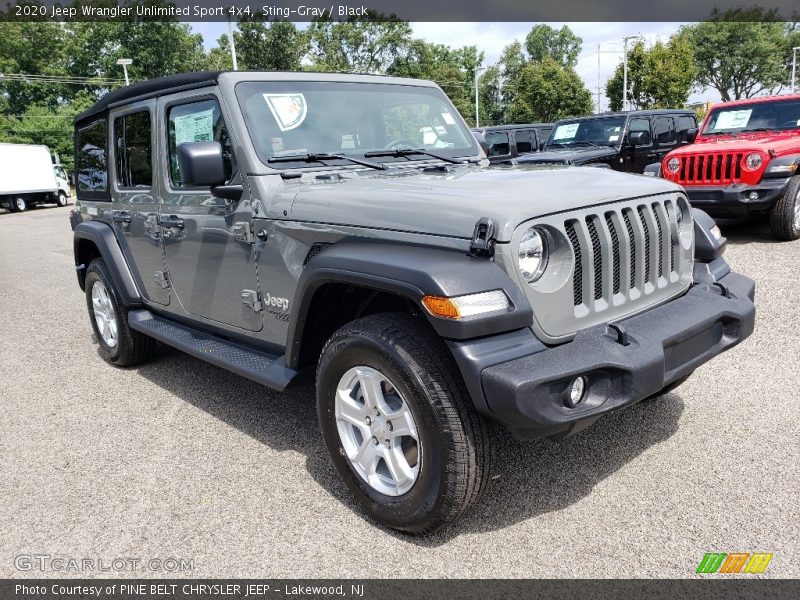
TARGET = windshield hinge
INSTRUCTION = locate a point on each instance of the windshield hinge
(242, 232)
(482, 244)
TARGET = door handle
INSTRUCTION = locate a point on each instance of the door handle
(171, 221)
(121, 216)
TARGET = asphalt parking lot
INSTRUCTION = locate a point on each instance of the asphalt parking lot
(180, 459)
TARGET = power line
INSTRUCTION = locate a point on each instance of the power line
(67, 80)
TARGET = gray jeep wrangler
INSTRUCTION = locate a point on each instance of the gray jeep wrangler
(350, 226)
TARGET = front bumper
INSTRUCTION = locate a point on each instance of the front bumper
(663, 344)
(733, 200)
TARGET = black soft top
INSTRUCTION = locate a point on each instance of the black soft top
(149, 88)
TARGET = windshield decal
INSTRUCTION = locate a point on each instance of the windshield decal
(448, 118)
(197, 127)
(733, 119)
(289, 110)
(566, 131)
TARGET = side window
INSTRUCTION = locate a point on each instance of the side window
(665, 131)
(197, 122)
(643, 125)
(133, 150)
(498, 143)
(526, 141)
(685, 124)
(91, 159)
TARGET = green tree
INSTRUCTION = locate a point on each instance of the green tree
(30, 48)
(546, 91)
(562, 45)
(658, 77)
(452, 69)
(359, 45)
(512, 61)
(740, 52)
(269, 45)
(490, 94)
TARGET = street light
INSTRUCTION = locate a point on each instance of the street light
(477, 70)
(231, 43)
(625, 70)
(794, 65)
(124, 62)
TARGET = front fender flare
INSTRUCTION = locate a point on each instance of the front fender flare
(411, 272)
(102, 236)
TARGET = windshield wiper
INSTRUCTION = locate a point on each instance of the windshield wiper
(585, 142)
(320, 157)
(397, 153)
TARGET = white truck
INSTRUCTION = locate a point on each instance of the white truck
(29, 177)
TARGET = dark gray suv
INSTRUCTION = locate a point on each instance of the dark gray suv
(349, 227)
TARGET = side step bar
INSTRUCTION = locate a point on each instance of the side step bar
(260, 367)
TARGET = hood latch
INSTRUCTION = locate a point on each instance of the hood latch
(482, 244)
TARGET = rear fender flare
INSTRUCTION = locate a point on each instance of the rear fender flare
(102, 236)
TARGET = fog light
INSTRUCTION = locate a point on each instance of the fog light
(576, 391)
(752, 196)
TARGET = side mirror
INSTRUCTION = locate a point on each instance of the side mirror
(638, 138)
(481, 142)
(691, 135)
(201, 164)
(541, 145)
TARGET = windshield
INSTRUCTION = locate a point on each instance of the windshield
(288, 119)
(759, 116)
(605, 131)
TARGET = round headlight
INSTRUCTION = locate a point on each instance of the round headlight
(753, 161)
(673, 165)
(532, 254)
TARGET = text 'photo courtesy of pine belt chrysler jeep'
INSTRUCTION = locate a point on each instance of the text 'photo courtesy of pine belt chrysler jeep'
(744, 161)
(276, 224)
(624, 141)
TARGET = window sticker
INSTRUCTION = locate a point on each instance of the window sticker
(613, 138)
(289, 110)
(448, 118)
(733, 119)
(566, 131)
(197, 127)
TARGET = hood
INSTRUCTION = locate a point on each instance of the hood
(783, 142)
(449, 203)
(568, 156)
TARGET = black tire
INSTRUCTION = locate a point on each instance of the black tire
(782, 218)
(131, 346)
(457, 442)
(19, 204)
(62, 199)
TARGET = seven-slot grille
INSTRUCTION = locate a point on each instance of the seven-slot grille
(624, 253)
(710, 168)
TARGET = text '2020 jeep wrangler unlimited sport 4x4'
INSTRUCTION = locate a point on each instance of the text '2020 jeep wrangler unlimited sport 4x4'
(275, 223)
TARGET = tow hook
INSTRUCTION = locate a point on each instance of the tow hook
(482, 245)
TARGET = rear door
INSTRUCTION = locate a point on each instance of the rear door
(208, 243)
(134, 202)
(664, 133)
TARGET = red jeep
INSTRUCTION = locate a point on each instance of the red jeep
(745, 160)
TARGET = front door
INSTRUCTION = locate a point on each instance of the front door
(638, 157)
(134, 203)
(210, 257)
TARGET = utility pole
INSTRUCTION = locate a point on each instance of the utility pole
(598, 79)
(794, 65)
(625, 71)
(124, 62)
(233, 46)
(477, 70)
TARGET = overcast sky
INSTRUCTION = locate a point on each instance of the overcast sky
(491, 38)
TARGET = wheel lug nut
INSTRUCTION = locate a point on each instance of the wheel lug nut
(388, 443)
(374, 440)
(389, 425)
(377, 412)
(369, 421)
